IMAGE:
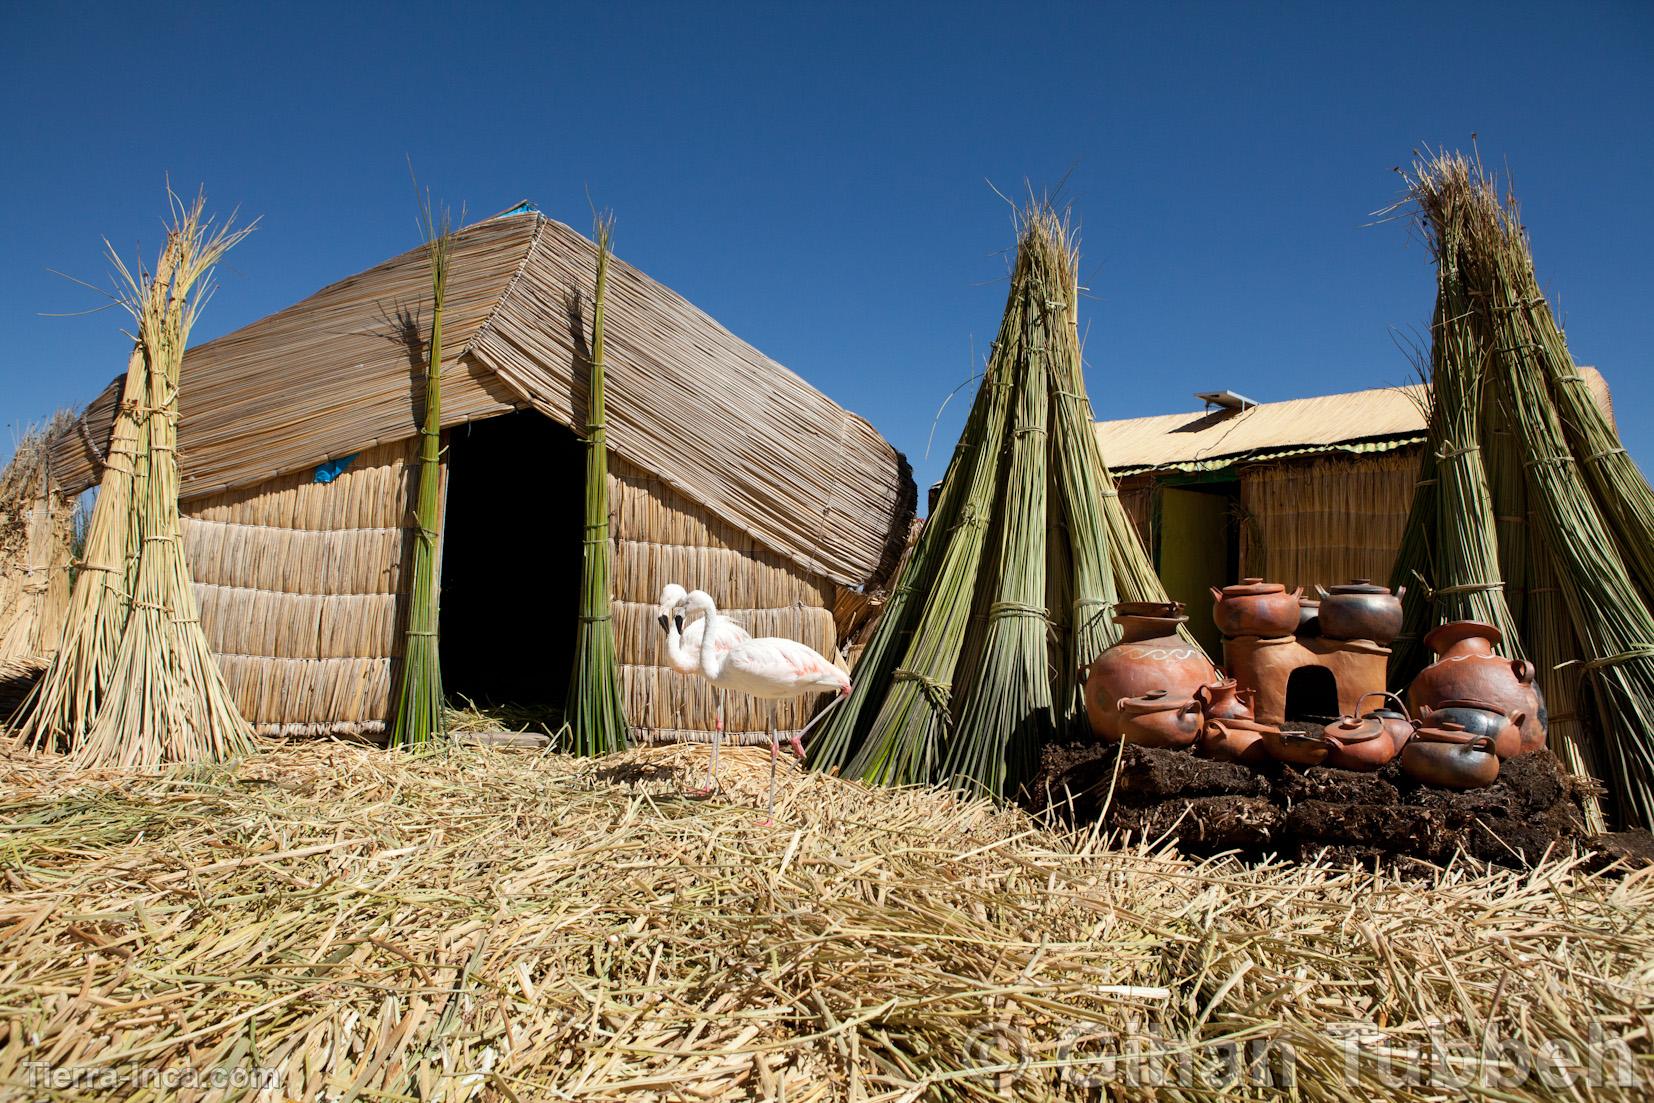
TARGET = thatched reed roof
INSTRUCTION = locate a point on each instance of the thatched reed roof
(688, 400)
(1375, 420)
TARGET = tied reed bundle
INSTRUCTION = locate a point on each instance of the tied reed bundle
(1466, 584)
(975, 660)
(140, 685)
(596, 712)
(1086, 505)
(1576, 543)
(35, 531)
(420, 707)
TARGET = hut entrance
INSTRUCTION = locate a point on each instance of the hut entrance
(511, 551)
(1312, 694)
(1198, 549)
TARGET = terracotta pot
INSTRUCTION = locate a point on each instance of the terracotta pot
(1396, 721)
(1296, 748)
(1159, 720)
(1309, 617)
(1225, 700)
(1233, 740)
(1360, 610)
(1479, 718)
(1359, 743)
(1254, 607)
(1150, 656)
(1450, 757)
(1468, 670)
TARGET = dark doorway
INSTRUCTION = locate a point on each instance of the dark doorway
(511, 556)
(1312, 694)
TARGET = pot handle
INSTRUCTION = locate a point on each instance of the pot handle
(1217, 594)
(1298, 593)
(1322, 591)
(1518, 717)
(1524, 670)
(1401, 592)
(1482, 743)
(1381, 694)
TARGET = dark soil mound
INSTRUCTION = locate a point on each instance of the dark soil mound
(1207, 806)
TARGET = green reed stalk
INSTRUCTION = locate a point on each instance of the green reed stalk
(420, 711)
(596, 710)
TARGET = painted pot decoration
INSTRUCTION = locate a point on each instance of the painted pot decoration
(1479, 718)
(1359, 743)
(1468, 670)
(1226, 700)
(1396, 721)
(1150, 656)
(1361, 610)
(1234, 740)
(1296, 748)
(1450, 757)
(1253, 607)
(1159, 720)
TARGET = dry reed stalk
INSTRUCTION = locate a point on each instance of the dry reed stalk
(35, 531)
(1554, 645)
(596, 709)
(166, 700)
(420, 707)
(476, 925)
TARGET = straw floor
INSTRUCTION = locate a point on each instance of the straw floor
(509, 925)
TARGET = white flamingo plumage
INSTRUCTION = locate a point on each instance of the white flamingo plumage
(683, 654)
(771, 668)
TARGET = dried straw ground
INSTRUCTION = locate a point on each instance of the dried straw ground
(481, 924)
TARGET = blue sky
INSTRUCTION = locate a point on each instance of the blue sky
(815, 176)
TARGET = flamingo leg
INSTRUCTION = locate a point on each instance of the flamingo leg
(717, 738)
(775, 756)
(711, 785)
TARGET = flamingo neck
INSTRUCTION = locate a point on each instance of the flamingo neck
(712, 663)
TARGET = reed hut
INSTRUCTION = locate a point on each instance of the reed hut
(1305, 491)
(297, 444)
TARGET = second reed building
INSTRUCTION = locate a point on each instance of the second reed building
(297, 444)
(1306, 491)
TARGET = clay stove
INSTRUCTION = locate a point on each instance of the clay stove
(1306, 677)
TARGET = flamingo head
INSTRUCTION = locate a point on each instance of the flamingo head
(671, 599)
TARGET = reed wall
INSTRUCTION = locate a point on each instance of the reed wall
(301, 586)
(1326, 520)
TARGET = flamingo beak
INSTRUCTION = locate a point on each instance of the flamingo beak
(679, 619)
(663, 618)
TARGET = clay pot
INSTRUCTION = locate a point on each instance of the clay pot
(1396, 721)
(1468, 670)
(1309, 617)
(1359, 743)
(1479, 718)
(1150, 656)
(1254, 607)
(1296, 748)
(1159, 720)
(1450, 757)
(1234, 740)
(1360, 610)
(1225, 700)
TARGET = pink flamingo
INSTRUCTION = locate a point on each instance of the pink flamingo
(683, 654)
(770, 668)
